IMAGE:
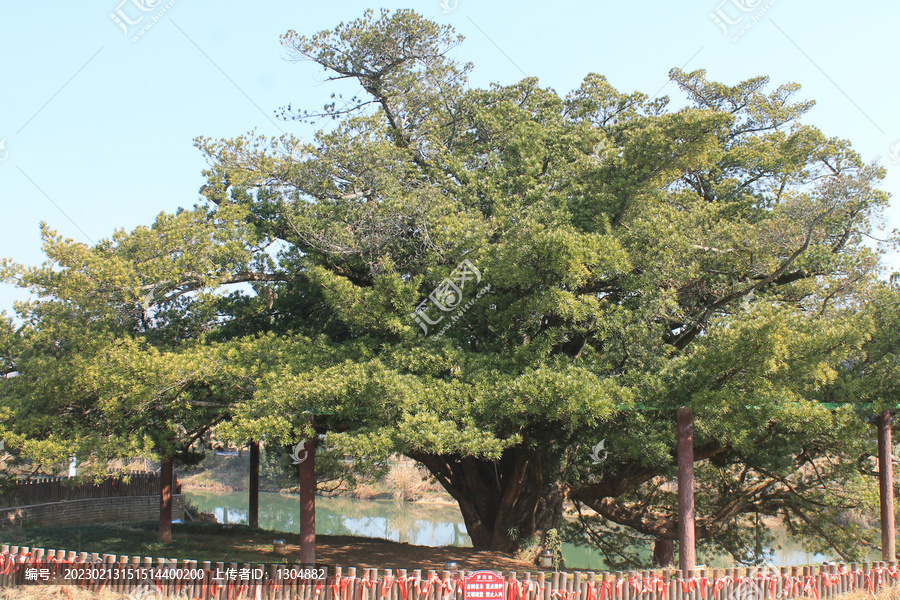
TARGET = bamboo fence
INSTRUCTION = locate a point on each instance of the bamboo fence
(145, 578)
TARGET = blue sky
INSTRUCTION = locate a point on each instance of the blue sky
(98, 128)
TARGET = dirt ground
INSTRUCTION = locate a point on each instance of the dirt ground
(348, 551)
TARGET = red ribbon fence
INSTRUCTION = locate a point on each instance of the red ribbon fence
(169, 578)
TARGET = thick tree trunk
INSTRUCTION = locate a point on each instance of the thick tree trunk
(503, 502)
(166, 475)
(663, 553)
(550, 506)
(253, 518)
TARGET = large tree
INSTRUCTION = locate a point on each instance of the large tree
(637, 259)
(580, 266)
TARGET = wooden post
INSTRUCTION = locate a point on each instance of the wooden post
(166, 474)
(686, 551)
(307, 473)
(253, 517)
(886, 487)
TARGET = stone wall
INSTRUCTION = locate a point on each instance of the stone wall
(92, 510)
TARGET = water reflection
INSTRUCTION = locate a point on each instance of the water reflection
(386, 519)
(422, 525)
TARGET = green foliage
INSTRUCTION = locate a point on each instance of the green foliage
(553, 543)
(873, 374)
(110, 359)
(639, 259)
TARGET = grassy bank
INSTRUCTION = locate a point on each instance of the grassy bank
(240, 543)
(198, 541)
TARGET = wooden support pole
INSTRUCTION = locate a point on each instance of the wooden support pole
(886, 487)
(253, 517)
(686, 550)
(307, 473)
(166, 475)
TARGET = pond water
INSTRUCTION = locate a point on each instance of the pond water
(420, 524)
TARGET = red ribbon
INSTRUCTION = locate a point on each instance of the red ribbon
(654, 583)
(345, 585)
(404, 586)
(605, 587)
(879, 573)
(447, 586)
(870, 584)
(386, 584)
(340, 585)
(810, 589)
(432, 579)
(366, 581)
(689, 585)
(214, 585)
(336, 587)
(558, 593)
(6, 563)
(635, 585)
(204, 583)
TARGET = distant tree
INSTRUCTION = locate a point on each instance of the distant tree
(109, 359)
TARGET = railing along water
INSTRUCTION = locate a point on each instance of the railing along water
(58, 489)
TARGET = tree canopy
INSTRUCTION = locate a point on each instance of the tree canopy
(581, 266)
